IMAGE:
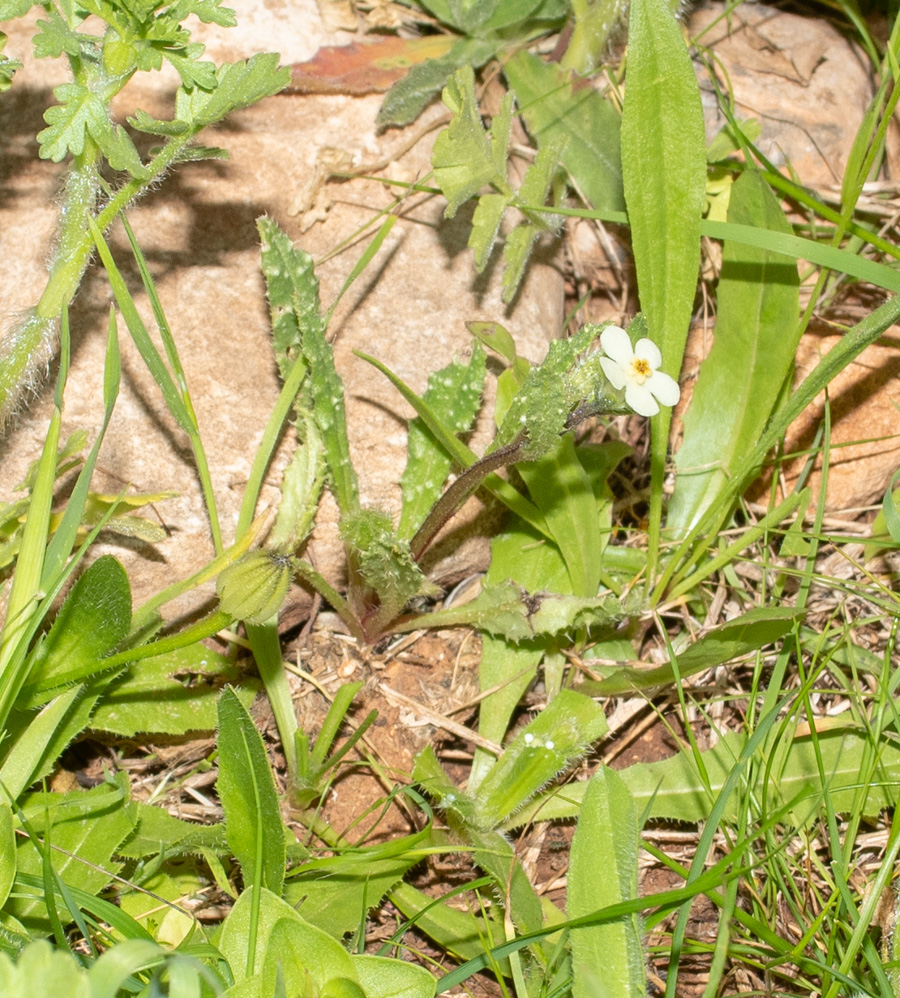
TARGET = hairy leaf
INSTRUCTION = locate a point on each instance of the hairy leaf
(454, 396)
(247, 790)
(607, 958)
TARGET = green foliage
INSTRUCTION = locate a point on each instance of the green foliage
(247, 790)
(664, 176)
(580, 123)
(467, 157)
(606, 958)
(454, 397)
(756, 334)
(135, 38)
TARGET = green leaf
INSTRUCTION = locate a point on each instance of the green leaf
(549, 744)
(337, 900)
(41, 969)
(533, 192)
(292, 289)
(561, 489)
(85, 828)
(301, 488)
(383, 978)
(246, 788)
(745, 634)
(508, 611)
(383, 559)
(582, 123)
(37, 744)
(607, 958)
(170, 694)
(541, 406)
(238, 85)
(8, 67)
(298, 953)
(10, 9)
(7, 852)
(454, 397)
(756, 335)
(408, 97)
(331, 417)
(94, 619)
(79, 115)
(156, 831)
(465, 156)
(674, 788)
(235, 940)
(664, 176)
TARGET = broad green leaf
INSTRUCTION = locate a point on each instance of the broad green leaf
(36, 750)
(85, 829)
(95, 617)
(561, 733)
(234, 940)
(246, 788)
(338, 900)
(42, 969)
(509, 669)
(454, 396)
(466, 158)
(560, 488)
(170, 694)
(583, 123)
(674, 789)
(741, 636)
(158, 831)
(664, 177)
(299, 953)
(607, 959)
(757, 329)
(383, 978)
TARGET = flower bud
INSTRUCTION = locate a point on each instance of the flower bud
(254, 587)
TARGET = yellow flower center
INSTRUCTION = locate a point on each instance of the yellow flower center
(641, 370)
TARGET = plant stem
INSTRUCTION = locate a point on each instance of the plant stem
(26, 350)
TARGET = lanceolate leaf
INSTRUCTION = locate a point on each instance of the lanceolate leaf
(607, 959)
(664, 175)
(247, 790)
(756, 336)
(561, 733)
(674, 789)
(747, 633)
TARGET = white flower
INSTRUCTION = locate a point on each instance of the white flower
(635, 370)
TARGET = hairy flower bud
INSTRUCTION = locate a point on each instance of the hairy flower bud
(254, 587)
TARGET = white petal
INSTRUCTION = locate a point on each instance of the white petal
(663, 387)
(649, 351)
(640, 399)
(614, 372)
(616, 343)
